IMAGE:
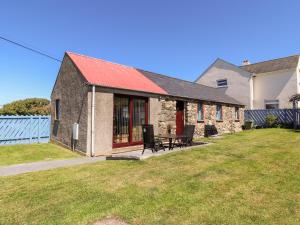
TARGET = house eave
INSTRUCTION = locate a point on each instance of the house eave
(157, 95)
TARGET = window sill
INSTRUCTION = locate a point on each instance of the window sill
(200, 121)
(236, 120)
(219, 121)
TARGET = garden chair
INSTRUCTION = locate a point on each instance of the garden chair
(150, 142)
(188, 134)
(210, 130)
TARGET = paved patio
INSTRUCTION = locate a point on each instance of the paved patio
(137, 154)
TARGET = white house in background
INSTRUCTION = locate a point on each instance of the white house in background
(262, 85)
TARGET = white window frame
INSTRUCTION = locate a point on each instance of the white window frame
(219, 115)
(272, 102)
(222, 85)
(236, 113)
(202, 112)
(57, 109)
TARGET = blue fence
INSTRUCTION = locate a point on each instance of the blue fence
(284, 116)
(24, 129)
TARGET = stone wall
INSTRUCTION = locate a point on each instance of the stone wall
(191, 117)
(167, 116)
(71, 90)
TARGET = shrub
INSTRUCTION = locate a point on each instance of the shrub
(288, 125)
(271, 120)
(29, 106)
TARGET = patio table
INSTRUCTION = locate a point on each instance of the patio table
(172, 138)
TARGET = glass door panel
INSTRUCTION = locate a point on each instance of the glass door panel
(138, 119)
(121, 120)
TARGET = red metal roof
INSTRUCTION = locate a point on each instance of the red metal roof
(107, 74)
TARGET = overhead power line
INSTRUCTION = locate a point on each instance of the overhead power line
(30, 49)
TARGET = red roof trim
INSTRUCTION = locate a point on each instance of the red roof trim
(107, 74)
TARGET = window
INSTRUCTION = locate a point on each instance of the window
(57, 109)
(200, 112)
(219, 112)
(237, 113)
(222, 83)
(272, 104)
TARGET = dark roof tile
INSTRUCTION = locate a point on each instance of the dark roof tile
(186, 89)
(272, 65)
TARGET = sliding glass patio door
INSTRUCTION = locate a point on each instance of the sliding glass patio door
(130, 113)
(138, 119)
(121, 120)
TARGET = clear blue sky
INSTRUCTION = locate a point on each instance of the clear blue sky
(178, 38)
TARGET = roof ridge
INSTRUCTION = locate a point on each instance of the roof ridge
(214, 62)
(270, 60)
(103, 60)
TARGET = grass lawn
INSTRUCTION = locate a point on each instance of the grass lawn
(15, 154)
(251, 177)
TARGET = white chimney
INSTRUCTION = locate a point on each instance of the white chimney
(246, 62)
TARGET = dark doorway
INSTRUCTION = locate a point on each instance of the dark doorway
(179, 117)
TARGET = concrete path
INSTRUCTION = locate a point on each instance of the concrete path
(45, 165)
(137, 155)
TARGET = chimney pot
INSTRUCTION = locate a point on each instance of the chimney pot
(246, 62)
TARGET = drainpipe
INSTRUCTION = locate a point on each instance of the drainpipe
(93, 123)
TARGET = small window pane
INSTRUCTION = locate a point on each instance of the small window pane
(121, 120)
(237, 113)
(200, 112)
(138, 119)
(272, 104)
(219, 112)
(57, 109)
(222, 83)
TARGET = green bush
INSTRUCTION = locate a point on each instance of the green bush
(287, 125)
(271, 120)
(30, 106)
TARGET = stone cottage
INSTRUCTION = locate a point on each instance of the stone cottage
(104, 105)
